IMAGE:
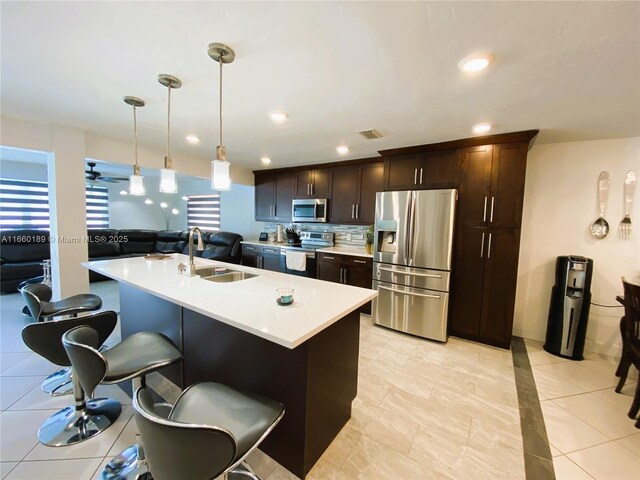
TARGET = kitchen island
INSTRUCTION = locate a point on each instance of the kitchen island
(304, 355)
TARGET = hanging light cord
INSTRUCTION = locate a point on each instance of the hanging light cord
(220, 91)
(168, 128)
(135, 135)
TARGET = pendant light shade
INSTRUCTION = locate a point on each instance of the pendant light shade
(168, 180)
(136, 181)
(220, 177)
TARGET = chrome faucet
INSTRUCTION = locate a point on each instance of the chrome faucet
(191, 268)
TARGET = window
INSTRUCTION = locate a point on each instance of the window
(25, 204)
(203, 211)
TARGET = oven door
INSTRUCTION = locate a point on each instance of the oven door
(310, 271)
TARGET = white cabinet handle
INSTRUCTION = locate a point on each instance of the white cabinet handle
(484, 213)
(415, 176)
(420, 175)
(359, 261)
(328, 257)
(357, 210)
(353, 209)
(482, 245)
(408, 293)
(489, 247)
(491, 214)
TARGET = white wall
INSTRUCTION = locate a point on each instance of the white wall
(237, 212)
(559, 206)
(23, 171)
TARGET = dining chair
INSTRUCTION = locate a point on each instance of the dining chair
(630, 330)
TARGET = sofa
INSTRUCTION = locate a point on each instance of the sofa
(22, 251)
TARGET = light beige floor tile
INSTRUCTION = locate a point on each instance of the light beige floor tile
(82, 469)
(490, 437)
(36, 399)
(13, 388)
(6, 467)
(101, 467)
(33, 365)
(341, 446)
(599, 413)
(445, 421)
(550, 385)
(567, 470)
(608, 461)
(97, 446)
(281, 473)
(385, 427)
(325, 470)
(262, 463)
(631, 443)
(372, 460)
(18, 432)
(8, 359)
(372, 388)
(620, 402)
(126, 438)
(566, 432)
(12, 342)
(436, 451)
(502, 464)
(600, 364)
(538, 356)
(579, 375)
(554, 451)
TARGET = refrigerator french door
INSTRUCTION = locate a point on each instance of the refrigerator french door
(412, 260)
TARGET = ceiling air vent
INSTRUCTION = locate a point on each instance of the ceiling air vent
(370, 134)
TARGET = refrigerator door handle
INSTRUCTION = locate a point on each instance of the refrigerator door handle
(412, 225)
(406, 231)
(408, 293)
(426, 275)
(482, 245)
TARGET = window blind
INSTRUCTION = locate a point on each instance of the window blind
(25, 204)
(203, 211)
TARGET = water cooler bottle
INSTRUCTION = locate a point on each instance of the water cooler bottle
(569, 307)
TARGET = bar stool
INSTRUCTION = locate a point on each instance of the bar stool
(131, 359)
(85, 419)
(37, 297)
(208, 433)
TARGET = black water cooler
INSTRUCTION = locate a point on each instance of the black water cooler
(569, 307)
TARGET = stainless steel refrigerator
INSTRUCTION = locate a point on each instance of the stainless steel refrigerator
(412, 261)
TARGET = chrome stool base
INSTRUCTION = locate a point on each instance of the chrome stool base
(241, 472)
(58, 383)
(70, 426)
(126, 466)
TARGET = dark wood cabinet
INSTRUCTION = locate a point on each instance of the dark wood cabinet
(273, 196)
(492, 186)
(314, 183)
(423, 170)
(250, 255)
(346, 269)
(261, 256)
(353, 192)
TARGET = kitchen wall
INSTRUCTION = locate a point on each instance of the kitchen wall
(559, 206)
(345, 235)
(23, 171)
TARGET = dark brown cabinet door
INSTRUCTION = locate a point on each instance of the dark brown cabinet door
(360, 275)
(344, 194)
(321, 183)
(329, 271)
(441, 169)
(284, 194)
(250, 260)
(467, 284)
(303, 184)
(271, 262)
(507, 185)
(500, 276)
(402, 171)
(265, 197)
(370, 182)
(475, 187)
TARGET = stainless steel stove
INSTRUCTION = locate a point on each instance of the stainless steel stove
(310, 242)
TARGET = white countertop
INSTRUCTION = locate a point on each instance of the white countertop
(250, 304)
(340, 250)
(265, 243)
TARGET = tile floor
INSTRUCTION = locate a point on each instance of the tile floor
(590, 435)
(424, 410)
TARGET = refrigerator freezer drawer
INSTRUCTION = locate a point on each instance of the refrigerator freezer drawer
(412, 310)
(411, 276)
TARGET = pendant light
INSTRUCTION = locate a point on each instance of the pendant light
(168, 182)
(220, 179)
(136, 181)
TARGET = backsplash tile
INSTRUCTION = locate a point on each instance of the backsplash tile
(346, 235)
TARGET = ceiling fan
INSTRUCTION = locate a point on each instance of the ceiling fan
(95, 176)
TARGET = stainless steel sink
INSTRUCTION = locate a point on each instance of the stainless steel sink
(216, 274)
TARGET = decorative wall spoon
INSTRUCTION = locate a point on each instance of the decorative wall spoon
(600, 228)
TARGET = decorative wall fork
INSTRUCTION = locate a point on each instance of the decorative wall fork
(624, 229)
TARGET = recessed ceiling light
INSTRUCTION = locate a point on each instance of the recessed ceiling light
(480, 128)
(476, 62)
(265, 160)
(163, 205)
(342, 149)
(124, 192)
(192, 139)
(278, 117)
(185, 198)
(148, 201)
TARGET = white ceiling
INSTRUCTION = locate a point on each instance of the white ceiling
(571, 69)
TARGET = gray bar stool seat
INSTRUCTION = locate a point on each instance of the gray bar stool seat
(209, 432)
(86, 418)
(131, 359)
(37, 297)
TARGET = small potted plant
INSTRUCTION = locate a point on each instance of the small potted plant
(368, 244)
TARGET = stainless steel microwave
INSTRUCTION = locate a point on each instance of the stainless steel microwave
(309, 210)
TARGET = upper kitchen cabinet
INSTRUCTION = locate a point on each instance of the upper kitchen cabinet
(313, 183)
(423, 170)
(353, 192)
(492, 185)
(274, 192)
